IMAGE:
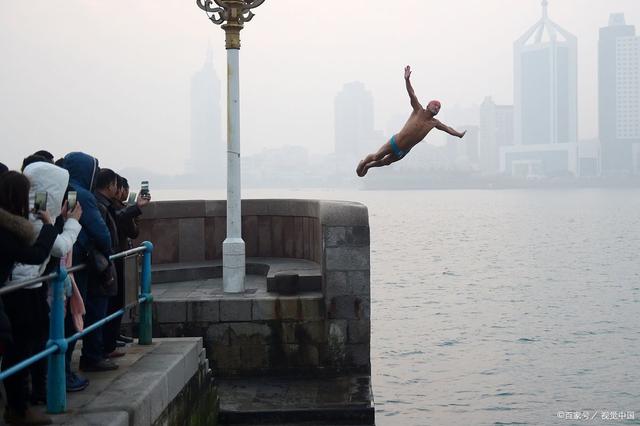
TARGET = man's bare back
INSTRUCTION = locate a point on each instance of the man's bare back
(418, 125)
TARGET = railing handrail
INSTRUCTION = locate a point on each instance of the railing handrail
(58, 344)
(13, 286)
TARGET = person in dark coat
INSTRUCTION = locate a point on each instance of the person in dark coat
(3, 168)
(127, 224)
(83, 170)
(19, 244)
(98, 293)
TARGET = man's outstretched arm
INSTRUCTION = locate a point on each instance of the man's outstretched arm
(412, 95)
(447, 129)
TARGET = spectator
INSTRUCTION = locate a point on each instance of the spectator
(45, 154)
(99, 289)
(16, 237)
(3, 168)
(127, 225)
(95, 234)
(34, 159)
(53, 180)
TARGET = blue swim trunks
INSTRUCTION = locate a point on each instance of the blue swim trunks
(396, 150)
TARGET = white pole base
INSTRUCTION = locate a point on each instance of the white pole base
(233, 265)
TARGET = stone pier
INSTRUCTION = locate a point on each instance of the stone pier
(305, 312)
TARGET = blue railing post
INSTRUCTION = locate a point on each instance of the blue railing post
(144, 328)
(56, 378)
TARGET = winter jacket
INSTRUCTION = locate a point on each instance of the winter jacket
(82, 173)
(108, 215)
(53, 180)
(127, 221)
(18, 243)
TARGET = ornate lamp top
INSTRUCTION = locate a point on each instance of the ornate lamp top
(232, 14)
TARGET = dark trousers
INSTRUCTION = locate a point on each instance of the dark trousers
(112, 328)
(28, 312)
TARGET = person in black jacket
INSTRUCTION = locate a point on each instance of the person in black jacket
(98, 290)
(19, 244)
(127, 224)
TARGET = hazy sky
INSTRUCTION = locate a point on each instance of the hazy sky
(112, 77)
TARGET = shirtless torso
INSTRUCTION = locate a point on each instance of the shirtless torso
(418, 125)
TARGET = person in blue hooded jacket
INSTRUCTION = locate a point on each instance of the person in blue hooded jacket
(83, 170)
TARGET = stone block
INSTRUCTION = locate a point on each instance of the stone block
(359, 331)
(191, 240)
(203, 311)
(209, 237)
(235, 310)
(336, 283)
(168, 330)
(311, 308)
(218, 334)
(249, 333)
(219, 235)
(347, 258)
(288, 308)
(170, 311)
(254, 357)
(306, 231)
(215, 208)
(304, 333)
(359, 283)
(289, 236)
(348, 307)
(277, 237)
(298, 224)
(250, 235)
(359, 355)
(264, 309)
(176, 209)
(165, 237)
(264, 236)
(343, 213)
(334, 236)
(356, 236)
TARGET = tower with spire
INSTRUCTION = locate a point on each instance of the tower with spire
(545, 92)
(545, 101)
(208, 152)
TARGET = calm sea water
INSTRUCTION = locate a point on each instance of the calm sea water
(499, 307)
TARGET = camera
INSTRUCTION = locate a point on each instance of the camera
(72, 199)
(40, 202)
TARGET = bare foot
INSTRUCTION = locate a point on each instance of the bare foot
(364, 171)
(359, 168)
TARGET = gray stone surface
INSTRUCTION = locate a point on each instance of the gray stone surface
(191, 240)
(235, 309)
(347, 258)
(148, 379)
(342, 400)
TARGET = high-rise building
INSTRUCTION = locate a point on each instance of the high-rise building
(208, 152)
(545, 100)
(354, 129)
(619, 95)
(496, 131)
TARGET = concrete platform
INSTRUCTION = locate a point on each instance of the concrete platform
(345, 400)
(150, 379)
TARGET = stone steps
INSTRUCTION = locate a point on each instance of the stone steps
(296, 401)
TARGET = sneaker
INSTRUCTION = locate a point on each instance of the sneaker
(30, 417)
(102, 365)
(115, 354)
(76, 383)
(125, 339)
(120, 344)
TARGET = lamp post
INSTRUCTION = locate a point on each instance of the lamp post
(231, 15)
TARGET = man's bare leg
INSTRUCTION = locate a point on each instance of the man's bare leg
(388, 159)
(377, 156)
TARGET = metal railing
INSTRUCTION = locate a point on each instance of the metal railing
(58, 344)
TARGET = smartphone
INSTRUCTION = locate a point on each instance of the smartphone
(72, 199)
(144, 188)
(132, 199)
(40, 203)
